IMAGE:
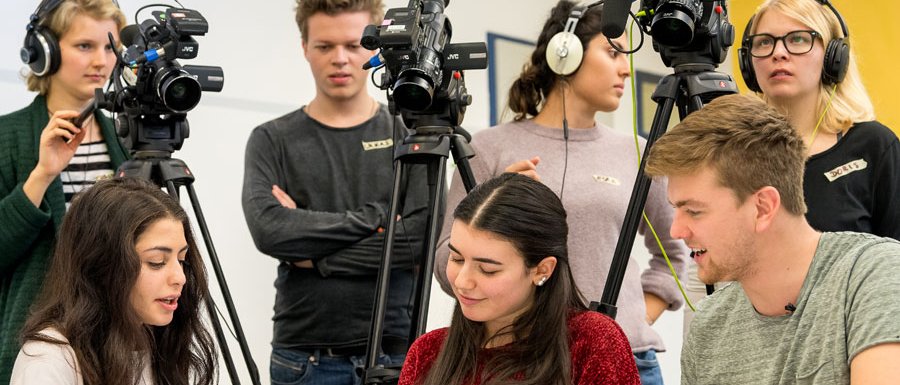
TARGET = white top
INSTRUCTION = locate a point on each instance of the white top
(41, 363)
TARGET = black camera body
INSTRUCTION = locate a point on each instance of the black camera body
(152, 105)
(688, 31)
(418, 57)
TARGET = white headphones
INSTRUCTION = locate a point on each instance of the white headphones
(564, 50)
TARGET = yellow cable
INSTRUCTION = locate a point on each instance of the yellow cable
(822, 117)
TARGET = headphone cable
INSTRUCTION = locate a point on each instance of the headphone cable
(565, 124)
(822, 117)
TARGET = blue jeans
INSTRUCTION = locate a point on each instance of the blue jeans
(297, 367)
(648, 368)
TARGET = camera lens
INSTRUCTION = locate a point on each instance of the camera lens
(179, 91)
(413, 92)
(673, 24)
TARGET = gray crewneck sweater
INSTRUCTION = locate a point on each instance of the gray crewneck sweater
(602, 166)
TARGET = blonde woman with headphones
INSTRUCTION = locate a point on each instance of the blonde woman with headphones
(573, 73)
(44, 157)
(797, 56)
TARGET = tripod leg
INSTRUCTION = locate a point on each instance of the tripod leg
(384, 278)
(223, 344)
(223, 285)
(462, 151)
(607, 304)
(437, 171)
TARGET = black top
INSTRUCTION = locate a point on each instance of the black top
(855, 185)
(341, 180)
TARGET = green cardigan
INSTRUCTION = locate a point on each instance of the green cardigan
(27, 233)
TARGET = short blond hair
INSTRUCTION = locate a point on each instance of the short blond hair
(747, 143)
(306, 8)
(851, 103)
(60, 19)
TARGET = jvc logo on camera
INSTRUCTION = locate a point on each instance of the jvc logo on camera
(187, 49)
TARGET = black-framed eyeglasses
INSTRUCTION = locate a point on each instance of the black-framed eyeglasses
(795, 42)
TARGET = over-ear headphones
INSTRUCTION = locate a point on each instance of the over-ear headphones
(40, 50)
(564, 50)
(834, 68)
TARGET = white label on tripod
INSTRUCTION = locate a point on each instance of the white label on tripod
(607, 180)
(378, 144)
(837, 172)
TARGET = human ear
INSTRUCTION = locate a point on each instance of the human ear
(767, 202)
(544, 270)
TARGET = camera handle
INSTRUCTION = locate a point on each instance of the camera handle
(164, 171)
(430, 146)
(689, 87)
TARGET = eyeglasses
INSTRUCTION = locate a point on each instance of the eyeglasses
(795, 42)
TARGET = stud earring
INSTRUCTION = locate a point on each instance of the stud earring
(542, 281)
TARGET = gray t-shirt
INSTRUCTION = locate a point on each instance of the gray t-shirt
(848, 303)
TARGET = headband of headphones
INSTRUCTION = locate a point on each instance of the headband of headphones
(43, 9)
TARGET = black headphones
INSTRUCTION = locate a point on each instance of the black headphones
(834, 68)
(40, 50)
(564, 50)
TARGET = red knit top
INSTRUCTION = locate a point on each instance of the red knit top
(600, 353)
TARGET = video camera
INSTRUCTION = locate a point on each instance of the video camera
(152, 106)
(688, 31)
(421, 66)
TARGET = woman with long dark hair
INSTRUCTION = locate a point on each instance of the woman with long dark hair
(44, 157)
(520, 317)
(121, 302)
(592, 167)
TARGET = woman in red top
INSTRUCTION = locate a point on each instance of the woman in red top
(519, 314)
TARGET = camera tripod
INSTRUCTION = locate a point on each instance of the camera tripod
(169, 173)
(690, 87)
(430, 145)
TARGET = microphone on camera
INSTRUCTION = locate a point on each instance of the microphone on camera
(129, 34)
(614, 16)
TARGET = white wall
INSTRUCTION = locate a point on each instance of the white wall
(266, 76)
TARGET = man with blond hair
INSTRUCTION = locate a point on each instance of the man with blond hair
(317, 187)
(804, 306)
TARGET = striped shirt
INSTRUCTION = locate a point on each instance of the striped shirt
(90, 164)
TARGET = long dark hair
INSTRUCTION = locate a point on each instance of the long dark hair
(534, 84)
(529, 215)
(86, 294)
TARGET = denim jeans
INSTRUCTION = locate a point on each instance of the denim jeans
(297, 367)
(648, 368)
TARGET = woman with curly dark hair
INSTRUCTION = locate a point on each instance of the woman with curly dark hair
(121, 302)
